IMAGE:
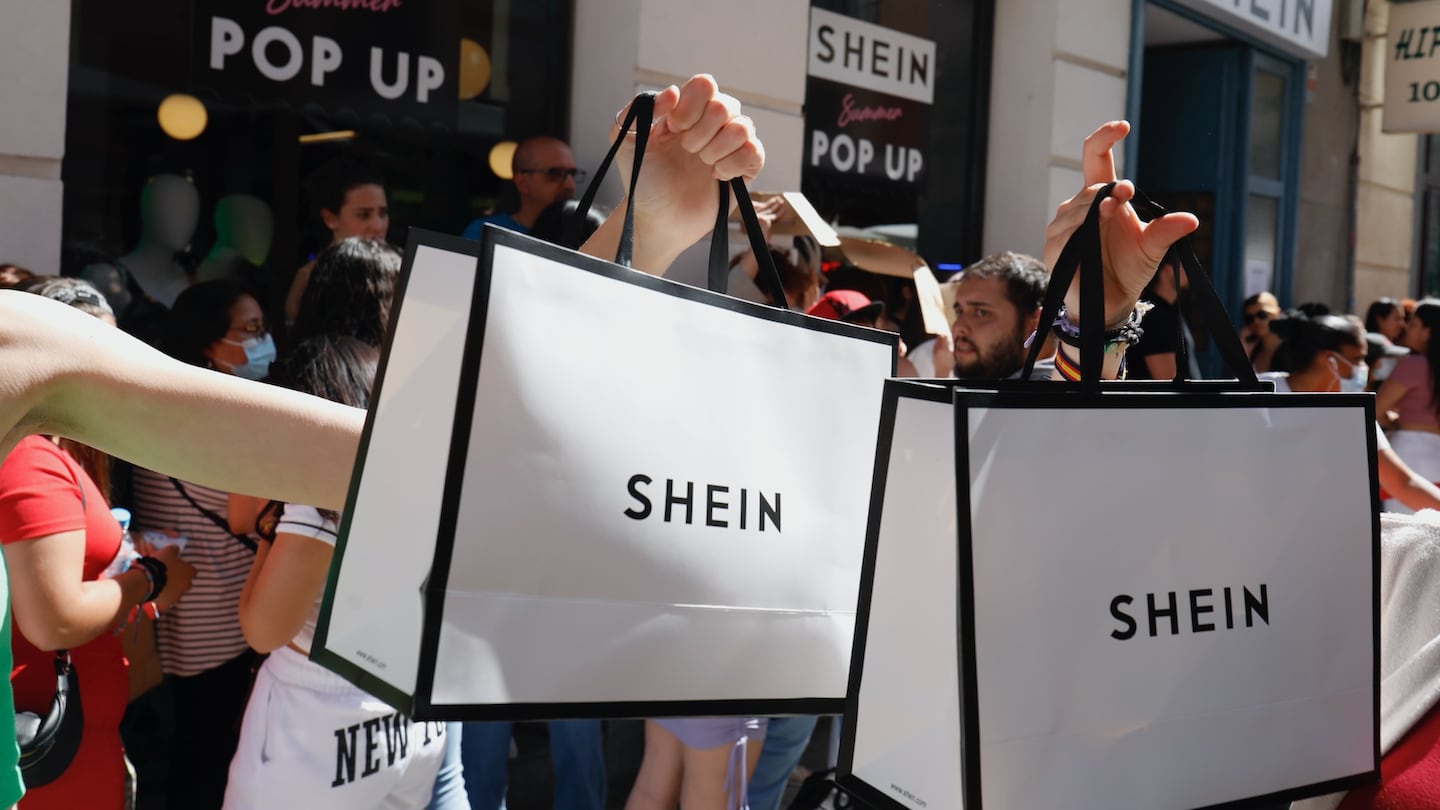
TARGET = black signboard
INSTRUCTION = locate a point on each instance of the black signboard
(851, 130)
(867, 100)
(398, 58)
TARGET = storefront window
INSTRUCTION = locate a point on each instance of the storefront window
(419, 93)
(895, 120)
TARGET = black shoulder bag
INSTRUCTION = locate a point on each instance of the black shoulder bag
(48, 744)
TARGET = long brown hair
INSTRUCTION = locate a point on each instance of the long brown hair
(95, 464)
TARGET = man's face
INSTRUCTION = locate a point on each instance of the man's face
(549, 177)
(989, 332)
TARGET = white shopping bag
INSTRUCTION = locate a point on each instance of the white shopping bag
(1118, 596)
(586, 491)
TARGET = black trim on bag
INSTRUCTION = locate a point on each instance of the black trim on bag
(1205, 395)
(845, 769)
(937, 391)
(971, 784)
(422, 705)
(320, 653)
(1373, 455)
(1106, 399)
(435, 586)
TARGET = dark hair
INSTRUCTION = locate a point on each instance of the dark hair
(200, 317)
(1314, 309)
(330, 183)
(1428, 311)
(1304, 337)
(1025, 278)
(1379, 311)
(350, 292)
(334, 367)
(553, 223)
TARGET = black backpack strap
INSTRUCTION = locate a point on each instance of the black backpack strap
(220, 523)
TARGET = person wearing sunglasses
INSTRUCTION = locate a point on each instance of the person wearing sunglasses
(1255, 315)
(543, 171)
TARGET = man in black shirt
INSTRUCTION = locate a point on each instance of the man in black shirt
(1153, 356)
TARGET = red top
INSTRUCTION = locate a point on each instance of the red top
(41, 494)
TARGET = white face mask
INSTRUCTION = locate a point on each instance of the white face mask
(1358, 379)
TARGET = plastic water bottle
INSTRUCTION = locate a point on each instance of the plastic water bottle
(126, 554)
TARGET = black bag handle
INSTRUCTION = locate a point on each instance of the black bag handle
(642, 117)
(1082, 253)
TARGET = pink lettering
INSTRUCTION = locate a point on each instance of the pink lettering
(849, 113)
(274, 7)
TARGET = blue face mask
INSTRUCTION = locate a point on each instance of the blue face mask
(259, 354)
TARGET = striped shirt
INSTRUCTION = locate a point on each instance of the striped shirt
(202, 630)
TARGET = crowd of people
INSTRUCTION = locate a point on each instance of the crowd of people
(197, 612)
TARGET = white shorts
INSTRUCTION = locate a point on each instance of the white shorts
(311, 739)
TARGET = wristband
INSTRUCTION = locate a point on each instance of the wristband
(155, 575)
(1128, 332)
(1070, 369)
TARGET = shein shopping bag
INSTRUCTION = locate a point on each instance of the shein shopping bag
(587, 491)
(1146, 596)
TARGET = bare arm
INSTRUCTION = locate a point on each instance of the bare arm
(284, 582)
(242, 511)
(1405, 485)
(65, 373)
(1390, 393)
(55, 609)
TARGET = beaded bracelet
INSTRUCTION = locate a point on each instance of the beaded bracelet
(1129, 332)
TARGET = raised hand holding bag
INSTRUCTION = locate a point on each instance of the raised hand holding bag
(604, 482)
(1117, 595)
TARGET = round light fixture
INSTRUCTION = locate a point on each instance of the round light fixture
(474, 69)
(182, 116)
(502, 155)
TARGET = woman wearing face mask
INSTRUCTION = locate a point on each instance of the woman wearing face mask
(217, 325)
(1327, 354)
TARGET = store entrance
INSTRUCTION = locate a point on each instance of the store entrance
(1219, 136)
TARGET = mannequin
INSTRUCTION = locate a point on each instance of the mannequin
(244, 227)
(169, 211)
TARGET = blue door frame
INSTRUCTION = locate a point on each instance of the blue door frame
(1232, 192)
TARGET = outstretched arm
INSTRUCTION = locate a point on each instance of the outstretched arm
(65, 373)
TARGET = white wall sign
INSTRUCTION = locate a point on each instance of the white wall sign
(1412, 68)
(861, 54)
(1297, 27)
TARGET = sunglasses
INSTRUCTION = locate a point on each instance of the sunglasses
(1251, 317)
(557, 173)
